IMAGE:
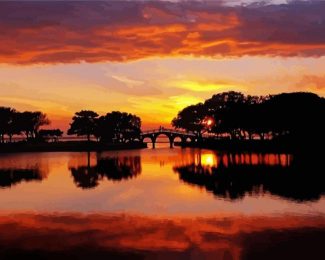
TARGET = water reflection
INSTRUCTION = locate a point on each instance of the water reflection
(13, 172)
(145, 181)
(10, 177)
(125, 236)
(158, 214)
(110, 168)
(208, 159)
(233, 176)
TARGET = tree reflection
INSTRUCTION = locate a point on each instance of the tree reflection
(233, 176)
(118, 169)
(10, 177)
(111, 168)
(85, 177)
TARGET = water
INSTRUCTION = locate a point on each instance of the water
(162, 203)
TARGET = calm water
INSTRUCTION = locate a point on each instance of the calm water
(175, 203)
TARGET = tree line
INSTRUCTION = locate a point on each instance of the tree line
(113, 127)
(231, 115)
(28, 123)
(237, 116)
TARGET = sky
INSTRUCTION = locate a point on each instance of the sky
(153, 58)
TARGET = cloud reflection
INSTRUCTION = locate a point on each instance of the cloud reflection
(142, 237)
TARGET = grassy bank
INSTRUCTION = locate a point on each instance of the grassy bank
(69, 146)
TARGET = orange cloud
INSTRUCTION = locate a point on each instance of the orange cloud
(313, 82)
(71, 32)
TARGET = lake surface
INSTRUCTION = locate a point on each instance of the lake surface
(161, 203)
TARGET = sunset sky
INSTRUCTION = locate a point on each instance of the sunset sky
(153, 58)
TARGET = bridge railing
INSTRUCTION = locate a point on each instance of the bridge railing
(167, 130)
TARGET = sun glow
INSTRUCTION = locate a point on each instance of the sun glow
(208, 122)
(201, 86)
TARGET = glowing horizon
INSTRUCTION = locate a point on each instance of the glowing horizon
(154, 58)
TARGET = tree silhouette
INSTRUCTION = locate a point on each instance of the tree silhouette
(53, 134)
(6, 114)
(83, 123)
(250, 116)
(225, 108)
(15, 123)
(296, 114)
(31, 122)
(289, 116)
(118, 127)
(191, 118)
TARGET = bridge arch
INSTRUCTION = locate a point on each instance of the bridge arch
(178, 139)
(171, 134)
(190, 139)
(148, 139)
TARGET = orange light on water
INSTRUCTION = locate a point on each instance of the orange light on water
(208, 159)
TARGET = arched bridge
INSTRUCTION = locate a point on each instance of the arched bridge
(172, 134)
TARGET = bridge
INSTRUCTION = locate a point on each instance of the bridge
(172, 134)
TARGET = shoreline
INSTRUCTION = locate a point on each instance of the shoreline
(233, 146)
(265, 146)
(68, 146)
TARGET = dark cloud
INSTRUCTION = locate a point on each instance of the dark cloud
(65, 32)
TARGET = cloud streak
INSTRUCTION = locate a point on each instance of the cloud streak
(73, 32)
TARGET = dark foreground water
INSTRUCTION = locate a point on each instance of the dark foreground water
(161, 204)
